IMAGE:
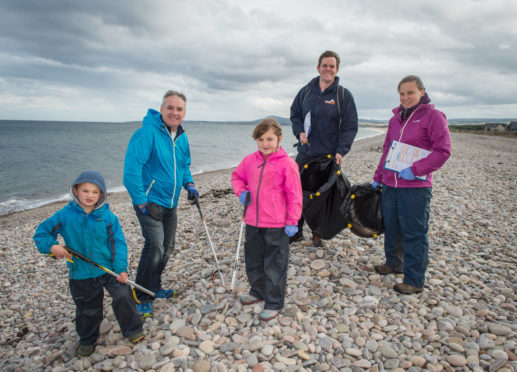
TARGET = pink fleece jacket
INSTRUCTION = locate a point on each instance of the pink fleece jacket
(275, 187)
(425, 128)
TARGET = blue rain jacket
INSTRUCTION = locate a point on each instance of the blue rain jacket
(96, 235)
(156, 167)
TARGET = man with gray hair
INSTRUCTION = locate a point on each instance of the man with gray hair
(156, 167)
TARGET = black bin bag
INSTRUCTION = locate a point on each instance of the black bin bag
(325, 191)
(364, 212)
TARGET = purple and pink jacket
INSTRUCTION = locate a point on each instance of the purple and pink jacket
(426, 128)
(275, 188)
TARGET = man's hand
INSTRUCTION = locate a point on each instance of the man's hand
(60, 252)
(153, 210)
(339, 159)
(303, 138)
(192, 192)
(122, 277)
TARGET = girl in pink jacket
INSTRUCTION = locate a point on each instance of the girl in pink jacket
(272, 181)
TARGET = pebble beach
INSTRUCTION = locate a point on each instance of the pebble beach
(340, 315)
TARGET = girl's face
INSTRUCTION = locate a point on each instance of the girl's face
(410, 94)
(268, 142)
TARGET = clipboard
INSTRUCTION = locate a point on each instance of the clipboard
(401, 156)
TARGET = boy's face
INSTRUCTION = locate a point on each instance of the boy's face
(88, 195)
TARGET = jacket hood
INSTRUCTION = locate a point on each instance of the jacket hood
(95, 178)
(154, 118)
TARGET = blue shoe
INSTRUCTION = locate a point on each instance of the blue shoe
(166, 293)
(266, 315)
(145, 310)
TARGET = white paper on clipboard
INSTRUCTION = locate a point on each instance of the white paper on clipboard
(307, 124)
(401, 156)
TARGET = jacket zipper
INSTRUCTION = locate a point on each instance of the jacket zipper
(400, 137)
(258, 187)
(174, 157)
(149, 188)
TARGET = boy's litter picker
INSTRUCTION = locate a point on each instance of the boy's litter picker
(236, 261)
(196, 201)
(84, 258)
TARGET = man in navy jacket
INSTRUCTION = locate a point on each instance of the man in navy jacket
(324, 119)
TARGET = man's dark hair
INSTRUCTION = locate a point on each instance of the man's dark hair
(329, 53)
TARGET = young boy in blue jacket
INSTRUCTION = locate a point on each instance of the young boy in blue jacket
(88, 226)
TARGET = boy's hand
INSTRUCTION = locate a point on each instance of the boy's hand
(60, 252)
(122, 277)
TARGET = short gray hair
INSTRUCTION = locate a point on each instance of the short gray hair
(170, 93)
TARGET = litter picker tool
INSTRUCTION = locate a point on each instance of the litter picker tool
(236, 261)
(84, 258)
(196, 201)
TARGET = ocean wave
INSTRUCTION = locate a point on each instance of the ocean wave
(18, 205)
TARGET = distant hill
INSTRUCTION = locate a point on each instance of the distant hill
(282, 121)
(287, 121)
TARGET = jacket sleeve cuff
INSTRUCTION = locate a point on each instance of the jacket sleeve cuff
(47, 249)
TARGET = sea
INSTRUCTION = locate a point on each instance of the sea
(40, 159)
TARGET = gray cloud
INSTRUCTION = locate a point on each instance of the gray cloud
(109, 61)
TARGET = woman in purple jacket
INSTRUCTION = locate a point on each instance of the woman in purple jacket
(406, 195)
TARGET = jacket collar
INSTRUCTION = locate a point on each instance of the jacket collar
(98, 212)
(154, 118)
(315, 84)
(280, 153)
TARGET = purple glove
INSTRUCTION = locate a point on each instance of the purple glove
(242, 197)
(192, 192)
(376, 185)
(407, 174)
(290, 230)
(153, 210)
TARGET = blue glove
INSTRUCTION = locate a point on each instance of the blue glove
(407, 174)
(192, 192)
(290, 230)
(242, 197)
(153, 210)
(376, 185)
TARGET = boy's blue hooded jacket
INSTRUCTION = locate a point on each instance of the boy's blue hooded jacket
(96, 235)
(156, 167)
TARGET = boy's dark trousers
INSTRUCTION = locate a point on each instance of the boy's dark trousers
(266, 253)
(88, 295)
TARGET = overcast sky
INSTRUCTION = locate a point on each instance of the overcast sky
(243, 60)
